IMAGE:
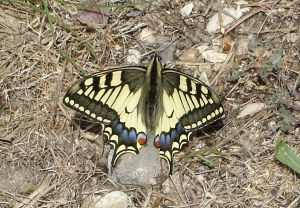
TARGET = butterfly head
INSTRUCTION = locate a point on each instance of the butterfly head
(155, 65)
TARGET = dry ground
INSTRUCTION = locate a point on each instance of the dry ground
(47, 162)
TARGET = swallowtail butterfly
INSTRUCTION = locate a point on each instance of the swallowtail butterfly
(130, 102)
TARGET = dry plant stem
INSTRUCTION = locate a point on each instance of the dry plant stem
(33, 198)
(57, 91)
(240, 21)
(8, 138)
(269, 4)
(283, 30)
(147, 201)
(229, 56)
(181, 185)
(267, 16)
(245, 126)
(194, 176)
(294, 203)
(178, 192)
(15, 197)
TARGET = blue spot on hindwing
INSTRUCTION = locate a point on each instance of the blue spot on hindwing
(125, 135)
(162, 139)
(132, 135)
(168, 139)
(179, 127)
(173, 134)
(119, 128)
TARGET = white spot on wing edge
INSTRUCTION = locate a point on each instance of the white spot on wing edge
(67, 99)
(72, 102)
(221, 109)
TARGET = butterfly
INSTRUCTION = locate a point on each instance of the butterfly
(133, 102)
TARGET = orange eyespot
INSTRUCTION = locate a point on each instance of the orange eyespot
(141, 139)
(157, 142)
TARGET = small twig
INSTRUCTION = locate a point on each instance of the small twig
(267, 17)
(7, 138)
(240, 21)
(229, 56)
(147, 201)
(57, 93)
(33, 198)
(284, 30)
(178, 192)
(294, 203)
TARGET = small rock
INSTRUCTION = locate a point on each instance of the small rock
(214, 56)
(189, 55)
(167, 52)
(118, 47)
(162, 39)
(251, 108)
(202, 48)
(147, 36)
(187, 9)
(216, 42)
(134, 56)
(143, 169)
(115, 199)
(213, 25)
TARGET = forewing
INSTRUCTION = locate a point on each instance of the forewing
(112, 97)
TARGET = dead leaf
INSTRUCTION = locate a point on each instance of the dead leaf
(227, 43)
(93, 15)
(251, 108)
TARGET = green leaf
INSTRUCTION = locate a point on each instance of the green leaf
(286, 155)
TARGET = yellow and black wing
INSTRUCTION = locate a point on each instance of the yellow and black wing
(112, 98)
(188, 105)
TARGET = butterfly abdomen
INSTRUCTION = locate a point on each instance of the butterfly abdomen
(153, 94)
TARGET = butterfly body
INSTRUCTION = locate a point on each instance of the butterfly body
(134, 102)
